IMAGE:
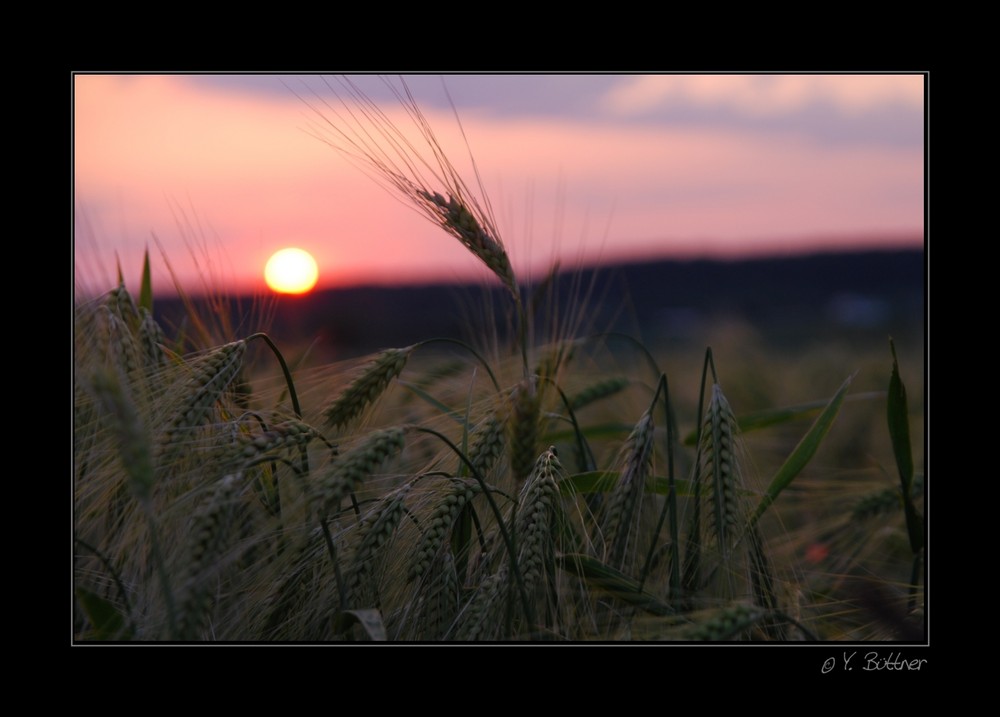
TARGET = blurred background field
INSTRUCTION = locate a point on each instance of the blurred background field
(784, 332)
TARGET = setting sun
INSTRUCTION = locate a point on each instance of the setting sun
(291, 271)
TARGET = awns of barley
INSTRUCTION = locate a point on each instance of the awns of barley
(375, 530)
(346, 473)
(621, 511)
(438, 526)
(551, 361)
(721, 469)
(536, 522)
(285, 610)
(367, 387)
(208, 379)
(454, 216)
(523, 430)
(205, 542)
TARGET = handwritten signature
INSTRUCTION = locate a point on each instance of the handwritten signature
(874, 662)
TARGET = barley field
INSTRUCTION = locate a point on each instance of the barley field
(546, 480)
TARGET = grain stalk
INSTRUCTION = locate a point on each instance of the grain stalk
(367, 387)
(622, 508)
(206, 539)
(535, 522)
(365, 135)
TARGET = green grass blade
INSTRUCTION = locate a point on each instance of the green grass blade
(422, 394)
(589, 482)
(777, 416)
(616, 584)
(146, 289)
(899, 431)
(604, 481)
(803, 452)
(107, 622)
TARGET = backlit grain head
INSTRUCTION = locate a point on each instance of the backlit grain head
(367, 387)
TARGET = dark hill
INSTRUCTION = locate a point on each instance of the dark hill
(790, 299)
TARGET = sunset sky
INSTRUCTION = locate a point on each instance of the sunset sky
(226, 170)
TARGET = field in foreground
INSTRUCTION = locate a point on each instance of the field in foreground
(587, 487)
(546, 476)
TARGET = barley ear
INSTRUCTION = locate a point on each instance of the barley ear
(454, 216)
(436, 601)
(535, 522)
(367, 387)
(481, 617)
(720, 465)
(523, 430)
(131, 436)
(375, 530)
(206, 539)
(346, 473)
(151, 340)
(621, 514)
(208, 380)
(438, 526)
(489, 443)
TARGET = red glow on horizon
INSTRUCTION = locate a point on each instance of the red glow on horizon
(218, 177)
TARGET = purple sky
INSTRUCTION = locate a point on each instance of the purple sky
(224, 171)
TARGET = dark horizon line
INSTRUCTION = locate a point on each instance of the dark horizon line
(585, 269)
